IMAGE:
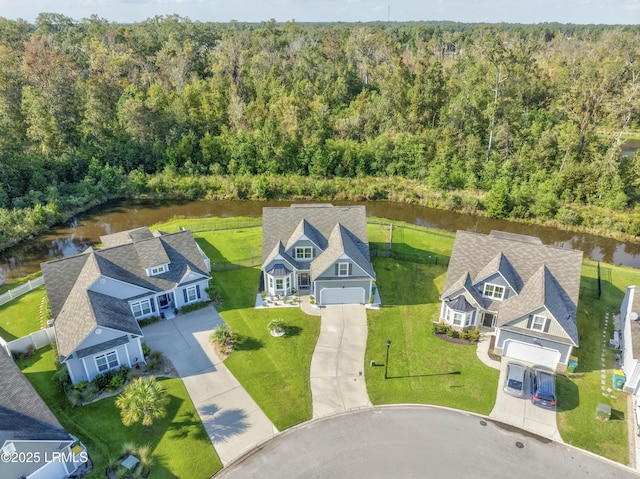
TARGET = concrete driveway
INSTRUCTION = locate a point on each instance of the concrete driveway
(234, 422)
(337, 364)
(521, 412)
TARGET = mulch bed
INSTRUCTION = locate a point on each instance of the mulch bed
(492, 355)
(450, 339)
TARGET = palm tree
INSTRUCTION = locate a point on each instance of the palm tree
(144, 399)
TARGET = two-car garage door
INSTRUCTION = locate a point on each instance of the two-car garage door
(530, 353)
(342, 296)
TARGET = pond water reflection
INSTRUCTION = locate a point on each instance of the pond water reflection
(86, 229)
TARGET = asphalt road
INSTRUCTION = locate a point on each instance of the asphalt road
(417, 442)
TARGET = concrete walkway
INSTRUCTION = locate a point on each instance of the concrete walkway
(483, 350)
(337, 364)
(234, 422)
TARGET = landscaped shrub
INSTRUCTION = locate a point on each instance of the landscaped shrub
(147, 321)
(473, 335)
(276, 326)
(116, 383)
(145, 349)
(214, 292)
(193, 307)
(61, 377)
(440, 328)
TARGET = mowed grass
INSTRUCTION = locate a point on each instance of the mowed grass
(179, 444)
(275, 371)
(21, 316)
(580, 393)
(422, 368)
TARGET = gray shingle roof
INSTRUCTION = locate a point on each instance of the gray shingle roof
(23, 413)
(548, 275)
(305, 228)
(77, 311)
(280, 224)
(151, 253)
(341, 241)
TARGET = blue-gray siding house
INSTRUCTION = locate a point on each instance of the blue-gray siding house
(525, 290)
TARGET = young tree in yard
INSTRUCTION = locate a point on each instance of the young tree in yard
(144, 399)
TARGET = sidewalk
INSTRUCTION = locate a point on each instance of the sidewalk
(483, 350)
(233, 421)
(337, 364)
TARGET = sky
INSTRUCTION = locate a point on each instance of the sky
(490, 11)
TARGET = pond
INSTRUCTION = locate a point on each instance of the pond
(86, 229)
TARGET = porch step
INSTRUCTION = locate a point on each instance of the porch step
(168, 313)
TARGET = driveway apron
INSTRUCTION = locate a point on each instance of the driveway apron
(522, 412)
(337, 364)
(233, 421)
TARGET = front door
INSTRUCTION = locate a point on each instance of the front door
(164, 300)
(303, 280)
(487, 320)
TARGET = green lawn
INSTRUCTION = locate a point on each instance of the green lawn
(180, 446)
(422, 368)
(275, 371)
(14, 283)
(22, 315)
(579, 394)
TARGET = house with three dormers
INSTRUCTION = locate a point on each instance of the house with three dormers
(318, 248)
(526, 291)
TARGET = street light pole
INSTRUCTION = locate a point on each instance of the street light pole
(386, 363)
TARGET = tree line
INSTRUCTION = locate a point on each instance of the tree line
(511, 121)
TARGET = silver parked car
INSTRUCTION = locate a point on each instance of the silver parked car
(516, 376)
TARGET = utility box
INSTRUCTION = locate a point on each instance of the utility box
(603, 411)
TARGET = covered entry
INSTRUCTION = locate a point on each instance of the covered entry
(342, 296)
(531, 353)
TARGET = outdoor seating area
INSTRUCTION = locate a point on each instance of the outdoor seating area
(264, 300)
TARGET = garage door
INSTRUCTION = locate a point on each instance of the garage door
(530, 353)
(342, 296)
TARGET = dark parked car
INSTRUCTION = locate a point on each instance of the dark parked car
(515, 381)
(543, 388)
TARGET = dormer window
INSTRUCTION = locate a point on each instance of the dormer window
(156, 270)
(538, 323)
(493, 291)
(304, 252)
(343, 269)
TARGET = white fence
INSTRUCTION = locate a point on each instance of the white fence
(20, 290)
(38, 340)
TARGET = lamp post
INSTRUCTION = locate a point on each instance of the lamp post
(386, 363)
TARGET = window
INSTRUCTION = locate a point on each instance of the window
(305, 252)
(470, 319)
(279, 284)
(141, 308)
(538, 323)
(107, 361)
(458, 319)
(157, 270)
(494, 291)
(270, 282)
(192, 294)
(343, 269)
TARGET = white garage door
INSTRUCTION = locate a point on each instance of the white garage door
(342, 296)
(530, 353)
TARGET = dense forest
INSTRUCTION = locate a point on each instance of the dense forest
(511, 121)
